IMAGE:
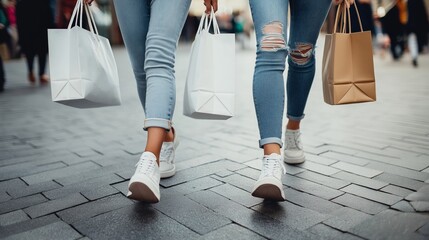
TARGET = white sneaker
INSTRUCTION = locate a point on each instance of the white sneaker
(269, 184)
(144, 184)
(293, 150)
(167, 167)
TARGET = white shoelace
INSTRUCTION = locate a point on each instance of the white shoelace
(293, 141)
(271, 164)
(145, 166)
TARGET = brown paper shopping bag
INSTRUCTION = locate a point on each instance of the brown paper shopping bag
(348, 68)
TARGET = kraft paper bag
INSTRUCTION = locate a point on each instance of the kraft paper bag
(348, 68)
(210, 83)
(82, 66)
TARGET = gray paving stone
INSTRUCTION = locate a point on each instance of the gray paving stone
(61, 172)
(358, 170)
(320, 159)
(33, 189)
(420, 206)
(391, 225)
(240, 181)
(331, 233)
(232, 232)
(190, 213)
(322, 179)
(57, 230)
(415, 165)
(84, 176)
(27, 225)
(346, 158)
(31, 170)
(424, 230)
(11, 184)
(367, 193)
(359, 180)
(400, 181)
(193, 162)
(346, 218)
(403, 206)
(137, 221)
(4, 197)
(99, 192)
(251, 173)
(259, 223)
(294, 216)
(310, 187)
(224, 173)
(398, 191)
(55, 205)
(319, 168)
(360, 204)
(94, 208)
(19, 203)
(237, 195)
(196, 185)
(311, 202)
(122, 187)
(85, 186)
(400, 171)
(13, 217)
(200, 171)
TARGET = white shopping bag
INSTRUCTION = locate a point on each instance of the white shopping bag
(82, 66)
(210, 84)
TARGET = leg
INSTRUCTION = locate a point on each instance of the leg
(133, 17)
(306, 22)
(304, 31)
(161, 43)
(268, 84)
(2, 75)
(42, 63)
(29, 56)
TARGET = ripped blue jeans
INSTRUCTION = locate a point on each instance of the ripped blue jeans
(270, 19)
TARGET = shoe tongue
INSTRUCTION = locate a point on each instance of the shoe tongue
(272, 156)
(149, 155)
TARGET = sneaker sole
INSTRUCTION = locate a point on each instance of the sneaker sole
(141, 192)
(268, 191)
(294, 161)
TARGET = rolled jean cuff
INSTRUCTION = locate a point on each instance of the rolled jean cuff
(157, 122)
(293, 118)
(269, 140)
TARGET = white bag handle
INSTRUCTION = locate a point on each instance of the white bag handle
(78, 15)
(206, 22)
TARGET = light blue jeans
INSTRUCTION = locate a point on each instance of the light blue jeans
(270, 19)
(151, 30)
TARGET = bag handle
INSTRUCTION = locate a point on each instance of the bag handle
(206, 22)
(344, 16)
(77, 15)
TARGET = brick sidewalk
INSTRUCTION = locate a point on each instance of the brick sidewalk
(64, 171)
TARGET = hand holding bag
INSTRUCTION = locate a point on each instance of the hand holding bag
(82, 66)
(348, 68)
(210, 83)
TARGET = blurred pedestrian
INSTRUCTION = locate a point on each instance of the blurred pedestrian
(3, 38)
(366, 16)
(270, 21)
(12, 30)
(33, 20)
(394, 25)
(151, 30)
(417, 28)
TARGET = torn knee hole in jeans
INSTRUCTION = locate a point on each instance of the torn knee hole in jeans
(302, 53)
(273, 39)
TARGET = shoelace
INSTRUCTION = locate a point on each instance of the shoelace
(270, 165)
(145, 166)
(293, 141)
(165, 151)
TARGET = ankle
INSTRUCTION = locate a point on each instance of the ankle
(169, 137)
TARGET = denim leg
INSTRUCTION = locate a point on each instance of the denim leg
(133, 18)
(307, 17)
(270, 21)
(167, 18)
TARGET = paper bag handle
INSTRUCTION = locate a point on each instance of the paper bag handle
(206, 22)
(77, 15)
(344, 17)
